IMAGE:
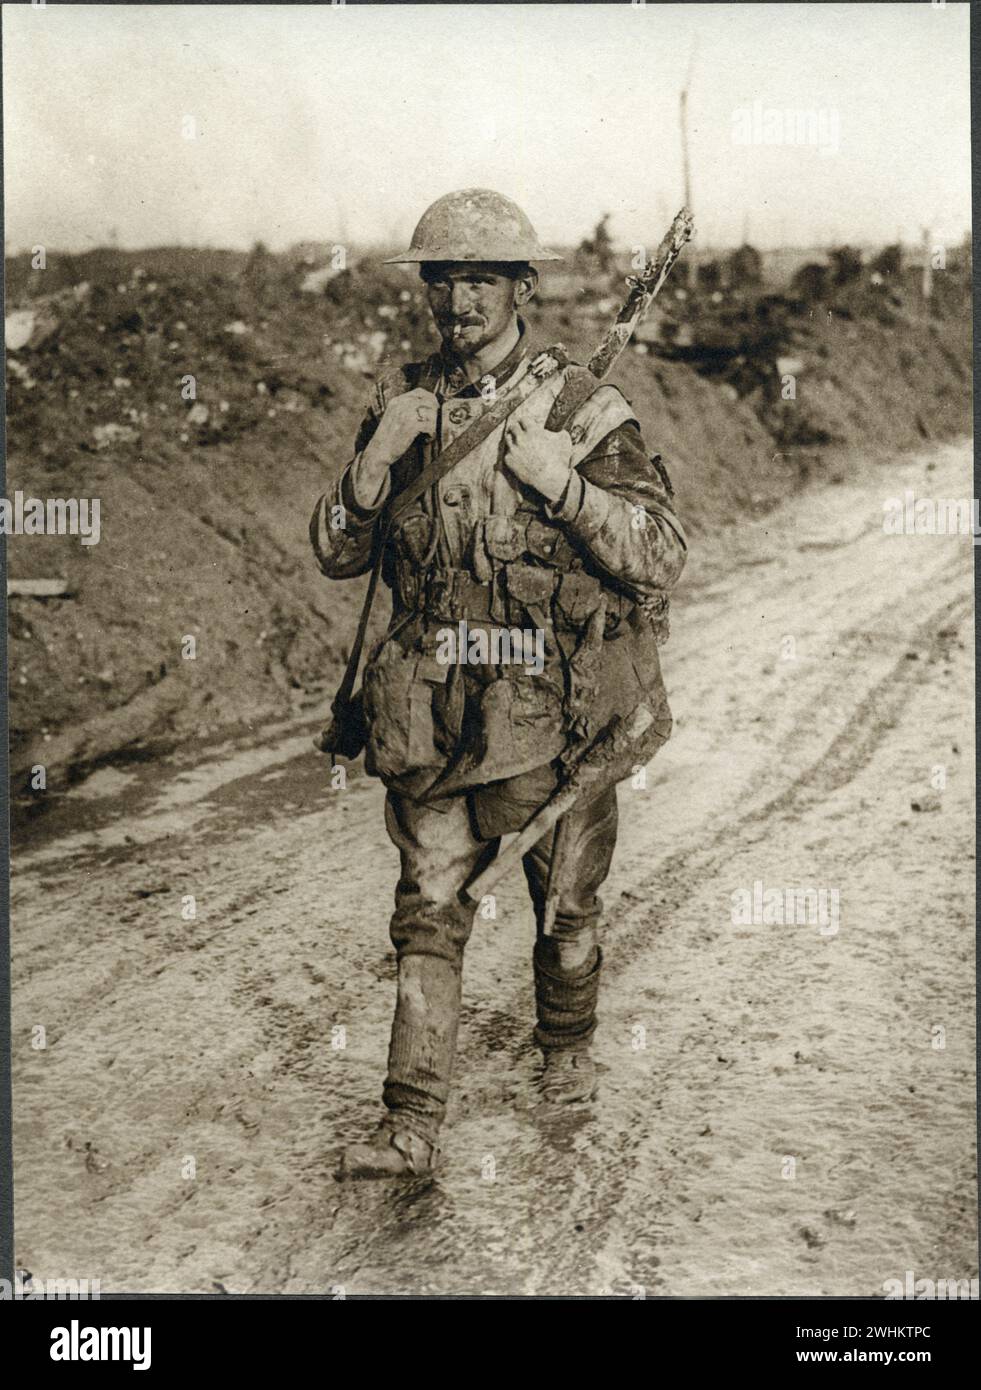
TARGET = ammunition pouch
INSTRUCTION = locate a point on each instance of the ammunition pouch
(530, 590)
(567, 600)
(576, 599)
(412, 545)
(507, 539)
(503, 538)
(547, 543)
(402, 747)
(451, 595)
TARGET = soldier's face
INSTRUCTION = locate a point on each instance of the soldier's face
(473, 304)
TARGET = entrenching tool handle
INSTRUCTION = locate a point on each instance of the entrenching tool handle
(604, 763)
(556, 868)
(537, 827)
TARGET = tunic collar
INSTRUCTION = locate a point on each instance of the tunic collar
(454, 379)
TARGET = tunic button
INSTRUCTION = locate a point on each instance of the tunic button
(458, 414)
(452, 496)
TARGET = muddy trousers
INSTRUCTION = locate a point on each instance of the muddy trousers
(430, 928)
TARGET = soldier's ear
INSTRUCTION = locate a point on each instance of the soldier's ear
(525, 286)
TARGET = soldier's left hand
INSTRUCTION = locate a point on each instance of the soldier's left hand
(539, 457)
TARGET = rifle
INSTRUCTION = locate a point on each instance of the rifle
(345, 734)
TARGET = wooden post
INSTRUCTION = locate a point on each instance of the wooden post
(927, 265)
(691, 268)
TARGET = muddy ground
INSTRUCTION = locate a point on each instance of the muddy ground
(784, 1109)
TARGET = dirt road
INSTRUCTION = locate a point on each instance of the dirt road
(786, 1107)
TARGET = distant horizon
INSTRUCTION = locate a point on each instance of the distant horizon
(368, 248)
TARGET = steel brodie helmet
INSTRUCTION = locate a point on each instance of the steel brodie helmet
(474, 224)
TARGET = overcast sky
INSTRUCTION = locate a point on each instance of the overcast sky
(346, 121)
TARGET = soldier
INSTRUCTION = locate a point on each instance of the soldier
(556, 525)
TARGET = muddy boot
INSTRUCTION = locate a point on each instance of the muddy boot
(565, 1000)
(390, 1153)
(420, 1063)
(569, 1075)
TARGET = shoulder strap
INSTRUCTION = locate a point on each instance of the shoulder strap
(577, 388)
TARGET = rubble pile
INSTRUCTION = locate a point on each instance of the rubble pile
(135, 351)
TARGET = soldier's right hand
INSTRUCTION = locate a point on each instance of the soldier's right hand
(406, 417)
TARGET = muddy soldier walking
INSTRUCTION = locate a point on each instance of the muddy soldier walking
(529, 593)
